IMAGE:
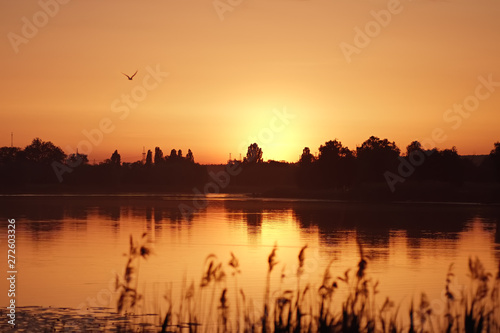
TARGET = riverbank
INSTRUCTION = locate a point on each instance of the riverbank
(485, 193)
(410, 191)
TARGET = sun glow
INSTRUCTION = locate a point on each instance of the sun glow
(277, 131)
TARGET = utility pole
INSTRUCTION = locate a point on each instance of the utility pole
(11, 139)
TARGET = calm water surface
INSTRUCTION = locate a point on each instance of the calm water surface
(70, 248)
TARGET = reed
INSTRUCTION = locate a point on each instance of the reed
(214, 305)
(128, 285)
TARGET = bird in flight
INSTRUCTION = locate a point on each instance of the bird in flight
(130, 77)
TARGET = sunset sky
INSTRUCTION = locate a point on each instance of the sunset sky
(232, 70)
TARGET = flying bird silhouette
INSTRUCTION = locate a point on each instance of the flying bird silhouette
(130, 77)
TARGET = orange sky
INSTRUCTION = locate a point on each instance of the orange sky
(228, 78)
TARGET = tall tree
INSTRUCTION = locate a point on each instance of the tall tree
(116, 158)
(306, 157)
(306, 174)
(158, 156)
(254, 154)
(189, 156)
(149, 157)
(173, 154)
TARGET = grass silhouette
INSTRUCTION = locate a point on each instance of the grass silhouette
(212, 305)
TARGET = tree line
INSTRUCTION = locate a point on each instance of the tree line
(336, 167)
(380, 160)
(377, 169)
(43, 166)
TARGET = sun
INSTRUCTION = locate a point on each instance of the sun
(286, 146)
(277, 133)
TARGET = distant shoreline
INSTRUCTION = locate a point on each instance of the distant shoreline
(411, 192)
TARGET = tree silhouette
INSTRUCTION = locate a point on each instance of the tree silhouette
(495, 152)
(414, 146)
(158, 156)
(306, 175)
(115, 158)
(431, 174)
(10, 154)
(77, 159)
(333, 151)
(306, 157)
(43, 152)
(189, 156)
(336, 164)
(11, 167)
(437, 165)
(494, 160)
(254, 154)
(173, 154)
(375, 145)
(149, 157)
(37, 159)
(450, 166)
(376, 156)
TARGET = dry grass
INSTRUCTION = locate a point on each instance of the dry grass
(215, 305)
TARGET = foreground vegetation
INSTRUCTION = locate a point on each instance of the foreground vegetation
(345, 303)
